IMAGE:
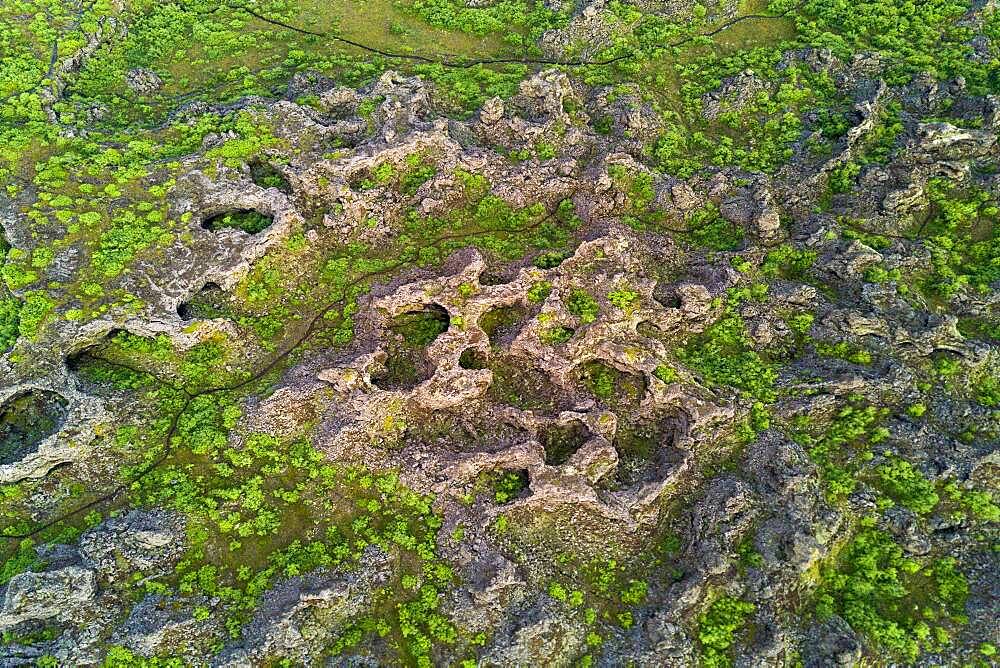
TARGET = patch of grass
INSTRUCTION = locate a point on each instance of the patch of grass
(906, 485)
(708, 229)
(842, 446)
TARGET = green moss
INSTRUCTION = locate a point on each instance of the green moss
(789, 262)
(706, 228)
(10, 322)
(624, 299)
(613, 388)
(891, 599)
(722, 354)
(842, 446)
(718, 626)
(421, 328)
(249, 221)
(556, 335)
(843, 350)
(905, 485)
(583, 305)
(25, 558)
(963, 236)
(665, 373)
(518, 384)
(508, 485)
(501, 322)
(539, 292)
(561, 441)
(121, 657)
(34, 311)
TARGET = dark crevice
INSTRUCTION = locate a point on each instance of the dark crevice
(561, 441)
(407, 363)
(612, 388)
(26, 420)
(516, 383)
(472, 359)
(503, 324)
(267, 176)
(206, 304)
(247, 220)
(647, 450)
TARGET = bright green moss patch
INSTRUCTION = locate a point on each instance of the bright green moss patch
(901, 605)
(508, 485)
(583, 305)
(34, 312)
(906, 485)
(10, 322)
(843, 350)
(25, 558)
(787, 261)
(273, 508)
(841, 446)
(914, 37)
(723, 355)
(718, 627)
(963, 235)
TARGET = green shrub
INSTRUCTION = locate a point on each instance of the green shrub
(842, 447)
(717, 629)
(708, 229)
(508, 485)
(788, 261)
(624, 299)
(10, 320)
(888, 598)
(905, 485)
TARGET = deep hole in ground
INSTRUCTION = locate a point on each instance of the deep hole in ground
(503, 324)
(26, 420)
(472, 358)
(614, 389)
(516, 383)
(267, 176)
(409, 334)
(561, 441)
(647, 449)
(206, 304)
(248, 220)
